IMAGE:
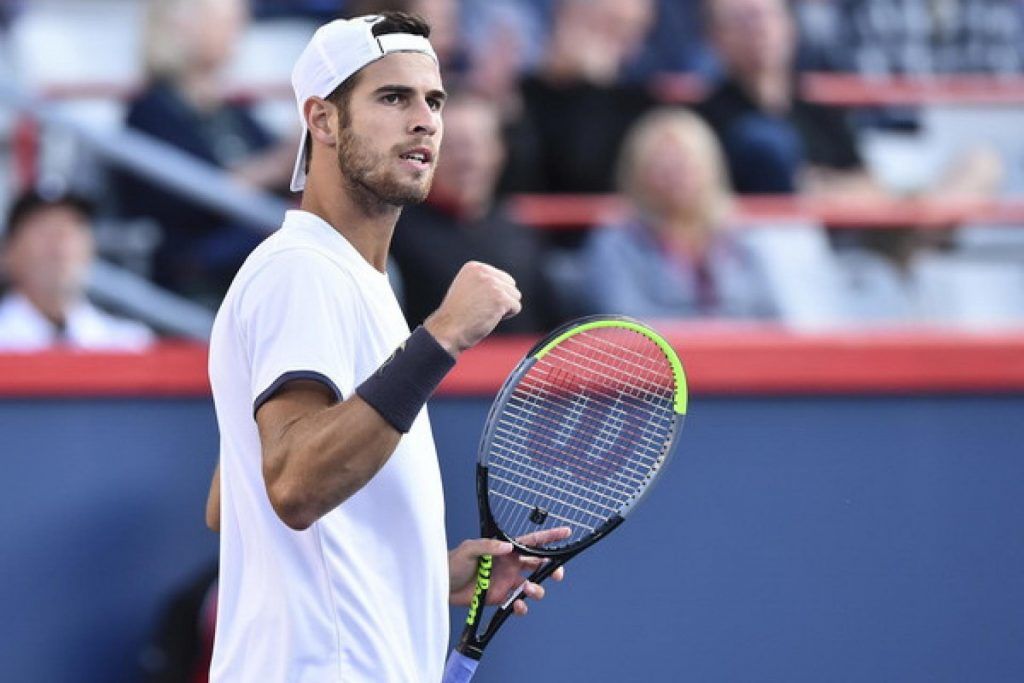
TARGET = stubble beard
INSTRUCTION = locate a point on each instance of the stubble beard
(368, 180)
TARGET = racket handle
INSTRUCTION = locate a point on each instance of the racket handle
(459, 668)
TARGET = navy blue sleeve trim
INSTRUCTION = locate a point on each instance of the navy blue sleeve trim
(290, 376)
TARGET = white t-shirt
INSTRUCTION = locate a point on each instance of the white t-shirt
(24, 328)
(362, 594)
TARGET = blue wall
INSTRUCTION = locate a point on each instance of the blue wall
(792, 539)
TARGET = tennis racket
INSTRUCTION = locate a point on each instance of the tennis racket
(576, 436)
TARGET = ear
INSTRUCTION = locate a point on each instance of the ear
(321, 119)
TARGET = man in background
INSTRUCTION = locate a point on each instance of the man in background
(48, 248)
(775, 141)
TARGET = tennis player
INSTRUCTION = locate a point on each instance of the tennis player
(333, 563)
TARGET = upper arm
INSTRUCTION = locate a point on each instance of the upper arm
(316, 454)
(298, 317)
(276, 416)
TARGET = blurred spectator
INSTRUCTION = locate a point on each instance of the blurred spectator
(775, 141)
(920, 37)
(443, 17)
(188, 43)
(577, 108)
(504, 40)
(461, 222)
(676, 254)
(445, 31)
(674, 43)
(47, 251)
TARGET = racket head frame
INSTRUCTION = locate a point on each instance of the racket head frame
(472, 643)
(488, 527)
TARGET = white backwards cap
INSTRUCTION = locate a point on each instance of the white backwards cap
(336, 51)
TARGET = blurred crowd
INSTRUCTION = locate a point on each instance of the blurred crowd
(568, 97)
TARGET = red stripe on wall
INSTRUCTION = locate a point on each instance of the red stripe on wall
(166, 370)
(718, 359)
(576, 212)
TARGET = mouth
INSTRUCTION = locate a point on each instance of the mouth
(419, 157)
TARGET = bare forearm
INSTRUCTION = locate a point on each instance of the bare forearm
(324, 457)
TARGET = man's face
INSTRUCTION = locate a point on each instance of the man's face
(389, 148)
(753, 36)
(51, 252)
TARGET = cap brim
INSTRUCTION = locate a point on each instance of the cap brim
(298, 183)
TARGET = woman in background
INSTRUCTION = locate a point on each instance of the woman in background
(676, 253)
(188, 45)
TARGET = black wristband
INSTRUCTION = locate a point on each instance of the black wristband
(401, 386)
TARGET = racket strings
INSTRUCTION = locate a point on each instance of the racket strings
(578, 412)
(517, 503)
(534, 487)
(588, 494)
(634, 379)
(581, 434)
(605, 500)
(647, 384)
(558, 430)
(611, 394)
(611, 496)
(574, 453)
(541, 495)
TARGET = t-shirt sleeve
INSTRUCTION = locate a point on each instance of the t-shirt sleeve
(298, 317)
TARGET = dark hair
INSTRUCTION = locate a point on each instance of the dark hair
(33, 199)
(391, 22)
(359, 8)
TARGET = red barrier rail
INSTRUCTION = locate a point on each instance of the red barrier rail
(573, 212)
(837, 89)
(719, 359)
(851, 90)
(854, 90)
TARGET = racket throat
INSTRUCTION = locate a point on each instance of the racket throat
(469, 648)
(514, 595)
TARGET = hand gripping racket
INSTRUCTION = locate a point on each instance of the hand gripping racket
(575, 438)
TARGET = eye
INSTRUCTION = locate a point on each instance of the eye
(435, 103)
(391, 98)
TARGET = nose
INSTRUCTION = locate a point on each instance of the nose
(424, 120)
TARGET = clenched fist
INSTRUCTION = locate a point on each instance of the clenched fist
(478, 299)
